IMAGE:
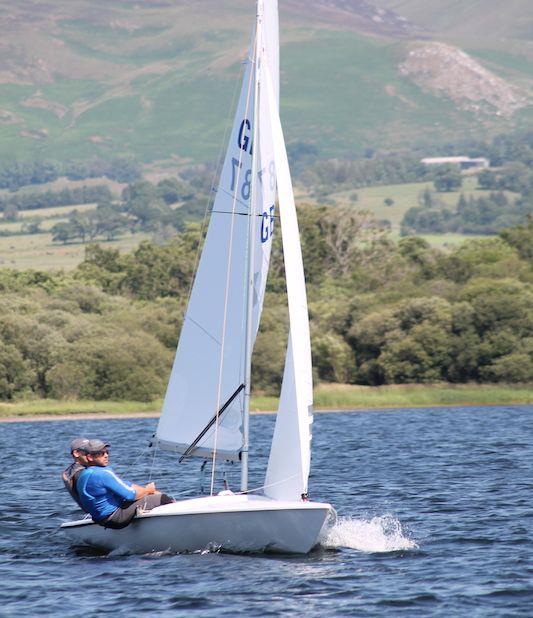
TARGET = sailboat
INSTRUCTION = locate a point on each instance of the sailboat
(206, 408)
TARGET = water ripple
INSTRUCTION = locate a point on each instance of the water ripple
(435, 519)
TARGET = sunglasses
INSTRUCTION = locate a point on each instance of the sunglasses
(99, 453)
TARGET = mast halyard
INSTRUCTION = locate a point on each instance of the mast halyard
(251, 254)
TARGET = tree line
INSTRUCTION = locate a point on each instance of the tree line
(381, 312)
(17, 174)
(163, 208)
(511, 151)
(10, 205)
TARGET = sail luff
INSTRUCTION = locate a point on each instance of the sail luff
(248, 346)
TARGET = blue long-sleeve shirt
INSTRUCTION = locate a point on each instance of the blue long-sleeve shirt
(101, 491)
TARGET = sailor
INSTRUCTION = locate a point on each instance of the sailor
(71, 474)
(110, 501)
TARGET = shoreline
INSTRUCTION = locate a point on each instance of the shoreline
(328, 398)
(98, 416)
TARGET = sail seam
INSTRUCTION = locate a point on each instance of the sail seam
(233, 197)
(203, 329)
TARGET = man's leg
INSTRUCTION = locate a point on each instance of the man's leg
(123, 515)
(151, 501)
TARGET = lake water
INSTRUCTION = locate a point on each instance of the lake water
(435, 519)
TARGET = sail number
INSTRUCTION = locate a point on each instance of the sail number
(267, 224)
(243, 140)
(246, 186)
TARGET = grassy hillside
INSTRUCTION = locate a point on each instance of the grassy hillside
(156, 80)
(487, 19)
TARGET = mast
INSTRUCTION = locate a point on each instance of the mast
(251, 253)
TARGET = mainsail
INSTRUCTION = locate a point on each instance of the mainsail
(208, 370)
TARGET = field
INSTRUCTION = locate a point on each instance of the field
(406, 196)
(55, 212)
(37, 251)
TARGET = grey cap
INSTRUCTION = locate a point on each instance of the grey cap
(78, 444)
(93, 446)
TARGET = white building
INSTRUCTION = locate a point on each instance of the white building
(463, 163)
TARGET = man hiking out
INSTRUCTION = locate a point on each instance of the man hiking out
(109, 500)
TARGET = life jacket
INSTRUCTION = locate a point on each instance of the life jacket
(70, 484)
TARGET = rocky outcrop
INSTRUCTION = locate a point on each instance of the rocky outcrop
(449, 72)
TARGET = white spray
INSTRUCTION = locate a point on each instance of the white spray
(378, 534)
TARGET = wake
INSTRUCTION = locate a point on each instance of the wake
(379, 534)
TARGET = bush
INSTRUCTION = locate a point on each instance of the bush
(15, 374)
(333, 358)
(514, 367)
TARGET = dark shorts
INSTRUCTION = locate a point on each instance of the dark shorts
(123, 515)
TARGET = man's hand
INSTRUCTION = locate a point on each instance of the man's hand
(150, 488)
(140, 491)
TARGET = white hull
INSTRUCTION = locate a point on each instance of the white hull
(236, 523)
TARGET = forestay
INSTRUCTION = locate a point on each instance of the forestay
(209, 365)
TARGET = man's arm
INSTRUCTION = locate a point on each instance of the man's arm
(115, 484)
(126, 490)
(141, 491)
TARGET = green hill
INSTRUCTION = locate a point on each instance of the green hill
(156, 80)
(490, 20)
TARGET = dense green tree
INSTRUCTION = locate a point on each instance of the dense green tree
(15, 374)
(172, 190)
(447, 178)
(513, 367)
(63, 232)
(333, 359)
(521, 238)
(269, 350)
(123, 169)
(487, 180)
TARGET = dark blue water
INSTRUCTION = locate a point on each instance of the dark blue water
(435, 519)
